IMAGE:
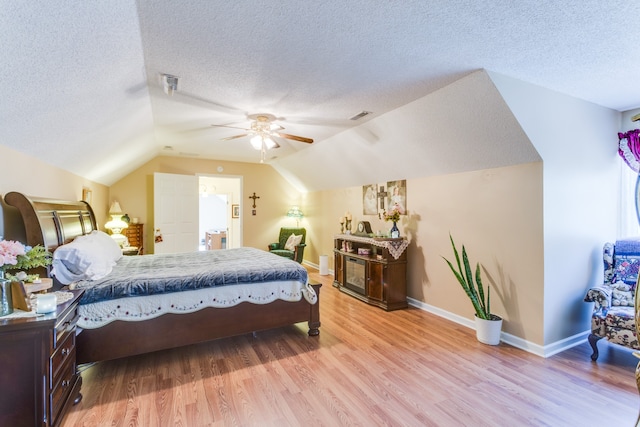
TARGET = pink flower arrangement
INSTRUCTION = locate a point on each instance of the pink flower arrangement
(9, 252)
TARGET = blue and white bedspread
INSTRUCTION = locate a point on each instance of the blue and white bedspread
(214, 279)
(166, 273)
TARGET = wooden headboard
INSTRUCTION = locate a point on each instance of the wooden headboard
(52, 223)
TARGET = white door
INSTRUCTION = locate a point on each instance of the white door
(175, 210)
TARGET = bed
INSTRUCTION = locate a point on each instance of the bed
(54, 223)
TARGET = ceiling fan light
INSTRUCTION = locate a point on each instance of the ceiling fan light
(256, 142)
(270, 143)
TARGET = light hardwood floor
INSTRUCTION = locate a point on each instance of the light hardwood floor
(367, 368)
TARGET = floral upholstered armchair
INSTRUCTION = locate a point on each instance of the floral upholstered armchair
(614, 301)
(290, 244)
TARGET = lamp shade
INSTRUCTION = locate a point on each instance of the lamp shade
(295, 212)
(115, 208)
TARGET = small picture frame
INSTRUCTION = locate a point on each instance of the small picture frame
(235, 211)
(20, 298)
(86, 195)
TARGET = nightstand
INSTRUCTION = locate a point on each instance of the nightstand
(134, 233)
(38, 373)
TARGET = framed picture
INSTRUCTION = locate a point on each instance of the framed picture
(370, 199)
(86, 195)
(235, 211)
(397, 195)
(21, 300)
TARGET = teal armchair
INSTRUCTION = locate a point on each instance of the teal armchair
(295, 252)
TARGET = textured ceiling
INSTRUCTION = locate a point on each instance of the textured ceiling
(83, 85)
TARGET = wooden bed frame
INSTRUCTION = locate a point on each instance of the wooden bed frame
(52, 223)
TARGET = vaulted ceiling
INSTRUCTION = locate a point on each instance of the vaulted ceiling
(83, 80)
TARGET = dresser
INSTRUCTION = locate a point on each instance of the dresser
(134, 234)
(372, 270)
(38, 373)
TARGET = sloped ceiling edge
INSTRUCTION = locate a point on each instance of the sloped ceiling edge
(463, 127)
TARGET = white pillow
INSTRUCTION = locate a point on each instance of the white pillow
(292, 242)
(89, 257)
(105, 243)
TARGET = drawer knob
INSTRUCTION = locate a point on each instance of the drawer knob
(65, 351)
(65, 383)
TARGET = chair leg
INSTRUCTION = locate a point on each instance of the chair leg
(593, 340)
(637, 383)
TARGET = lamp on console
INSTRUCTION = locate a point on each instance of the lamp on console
(116, 225)
(296, 213)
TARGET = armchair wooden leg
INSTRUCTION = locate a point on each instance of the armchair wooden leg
(637, 354)
(593, 340)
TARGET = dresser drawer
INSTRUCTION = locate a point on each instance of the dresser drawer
(63, 378)
(64, 326)
(62, 388)
(64, 351)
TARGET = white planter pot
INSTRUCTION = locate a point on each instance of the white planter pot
(488, 331)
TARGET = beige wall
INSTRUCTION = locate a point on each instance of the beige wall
(33, 177)
(496, 213)
(135, 194)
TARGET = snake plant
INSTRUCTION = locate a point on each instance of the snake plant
(475, 291)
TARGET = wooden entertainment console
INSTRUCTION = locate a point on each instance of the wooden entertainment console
(372, 269)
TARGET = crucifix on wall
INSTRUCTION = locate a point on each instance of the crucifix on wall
(381, 196)
(254, 197)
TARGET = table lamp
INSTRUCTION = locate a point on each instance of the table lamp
(116, 225)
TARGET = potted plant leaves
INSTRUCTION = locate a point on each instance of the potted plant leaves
(488, 325)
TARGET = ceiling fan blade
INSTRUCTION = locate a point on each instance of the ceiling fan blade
(294, 137)
(234, 137)
(200, 101)
(227, 126)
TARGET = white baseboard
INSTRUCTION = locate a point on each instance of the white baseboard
(542, 351)
(310, 264)
(316, 266)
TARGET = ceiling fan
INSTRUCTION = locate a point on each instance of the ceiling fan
(262, 130)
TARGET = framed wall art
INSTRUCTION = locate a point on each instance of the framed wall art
(397, 195)
(370, 199)
(87, 195)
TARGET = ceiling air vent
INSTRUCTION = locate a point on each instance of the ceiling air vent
(360, 115)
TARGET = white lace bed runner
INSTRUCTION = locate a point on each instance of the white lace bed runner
(395, 247)
(140, 308)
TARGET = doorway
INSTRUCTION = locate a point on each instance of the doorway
(218, 227)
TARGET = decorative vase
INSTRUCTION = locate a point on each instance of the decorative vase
(489, 331)
(6, 299)
(395, 232)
